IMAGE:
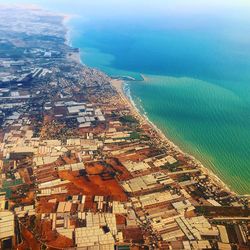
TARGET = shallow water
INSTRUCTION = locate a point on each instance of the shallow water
(196, 58)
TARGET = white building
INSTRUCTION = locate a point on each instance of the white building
(6, 225)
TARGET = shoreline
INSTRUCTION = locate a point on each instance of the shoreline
(92, 160)
(118, 85)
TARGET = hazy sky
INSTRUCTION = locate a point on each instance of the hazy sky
(148, 8)
(159, 14)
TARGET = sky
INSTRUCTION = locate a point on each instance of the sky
(147, 8)
(156, 13)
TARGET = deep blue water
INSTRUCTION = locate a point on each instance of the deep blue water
(198, 80)
(196, 59)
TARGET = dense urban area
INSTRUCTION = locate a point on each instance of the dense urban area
(80, 168)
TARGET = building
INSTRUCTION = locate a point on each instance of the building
(6, 227)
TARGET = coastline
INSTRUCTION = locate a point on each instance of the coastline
(92, 160)
(118, 85)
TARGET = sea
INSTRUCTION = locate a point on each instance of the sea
(191, 63)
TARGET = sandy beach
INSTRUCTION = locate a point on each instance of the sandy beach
(118, 85)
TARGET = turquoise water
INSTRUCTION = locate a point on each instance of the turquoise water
(196, 59)
(206, 120)
(197, 87)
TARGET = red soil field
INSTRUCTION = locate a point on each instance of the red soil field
(95, 185)
(29, 241)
